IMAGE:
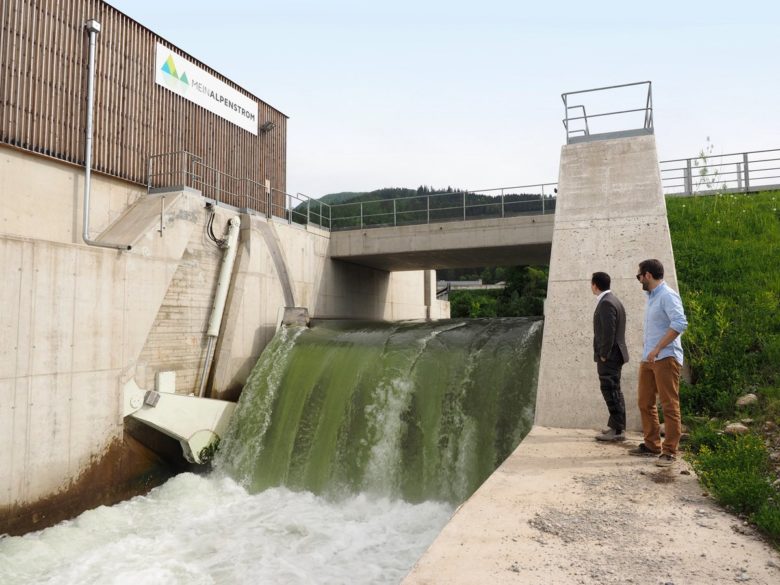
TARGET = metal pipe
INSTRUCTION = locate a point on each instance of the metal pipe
(93, 28)
(220, 296)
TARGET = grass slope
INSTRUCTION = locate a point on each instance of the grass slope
(727, 254)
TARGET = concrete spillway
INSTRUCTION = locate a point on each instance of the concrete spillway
(412, 410)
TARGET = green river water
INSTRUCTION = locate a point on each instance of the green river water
(412, 410)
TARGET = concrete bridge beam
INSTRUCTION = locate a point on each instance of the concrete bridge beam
(508, 241)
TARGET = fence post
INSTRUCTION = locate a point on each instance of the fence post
(184, 169)
(464, 206)
(688, 178)
(308, 207)
(428, 208)
(361, 215)
(502, 203)
(542, 199)
(149, 176)
(395, 217)
(216, 198)
(739, 176)
(747, 171)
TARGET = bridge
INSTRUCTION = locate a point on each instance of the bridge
(446, 230)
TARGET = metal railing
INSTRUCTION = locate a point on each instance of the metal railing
(444, 207)
(180, 169)
(739, 172)
(581, 131)
(742, 172)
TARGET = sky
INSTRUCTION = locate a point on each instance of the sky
(409, 93)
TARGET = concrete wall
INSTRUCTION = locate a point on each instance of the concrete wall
(611, 214)
(73, 322)
(76, 322)
(42, 198)
(330, 289)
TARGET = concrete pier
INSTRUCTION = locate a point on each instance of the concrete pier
(610, 215)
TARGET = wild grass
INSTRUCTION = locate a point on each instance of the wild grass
(727, 254)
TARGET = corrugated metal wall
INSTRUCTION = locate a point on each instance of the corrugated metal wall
(43, 79)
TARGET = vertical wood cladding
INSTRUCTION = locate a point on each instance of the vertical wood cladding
(43, 80)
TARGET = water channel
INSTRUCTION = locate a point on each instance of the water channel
(351, 446)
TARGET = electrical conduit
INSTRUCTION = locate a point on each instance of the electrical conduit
(93, 28)
(220, 297)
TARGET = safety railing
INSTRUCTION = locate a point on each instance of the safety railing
(736, 172)
(578, 127)
(739, 172)
(444, 207)
(180, 169)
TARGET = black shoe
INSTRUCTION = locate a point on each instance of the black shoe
(643, 451)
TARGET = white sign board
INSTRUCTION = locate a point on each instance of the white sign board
(192, 83)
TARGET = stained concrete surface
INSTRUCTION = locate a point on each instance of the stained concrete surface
(566, 509)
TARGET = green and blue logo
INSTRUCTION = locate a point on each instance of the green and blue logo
(172, 76)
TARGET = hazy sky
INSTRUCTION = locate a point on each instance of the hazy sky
(400, 93)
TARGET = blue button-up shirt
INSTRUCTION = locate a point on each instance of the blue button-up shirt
(664, 310)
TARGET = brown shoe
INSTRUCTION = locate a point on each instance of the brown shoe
(665, 460)
(643, 451)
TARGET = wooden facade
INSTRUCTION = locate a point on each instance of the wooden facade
(43, 81)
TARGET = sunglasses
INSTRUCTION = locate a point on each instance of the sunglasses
(639, 276)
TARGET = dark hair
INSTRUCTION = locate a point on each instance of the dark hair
(601, 280)
(654, 267)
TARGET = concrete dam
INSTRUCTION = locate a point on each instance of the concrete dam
(150, 255)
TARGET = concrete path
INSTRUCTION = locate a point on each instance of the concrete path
(566, 509)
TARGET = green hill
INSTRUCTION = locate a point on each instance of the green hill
(726, 250)
(355, 196)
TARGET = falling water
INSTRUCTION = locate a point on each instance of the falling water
(350, 446)
(418, 411)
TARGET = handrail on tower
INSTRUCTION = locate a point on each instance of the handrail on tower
(583, 132)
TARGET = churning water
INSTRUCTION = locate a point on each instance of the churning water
(198, 530)
(348, 451)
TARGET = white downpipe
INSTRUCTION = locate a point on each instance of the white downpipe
(93, 28)
(220, 297)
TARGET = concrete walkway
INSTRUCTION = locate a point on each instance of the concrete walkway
(566, 509)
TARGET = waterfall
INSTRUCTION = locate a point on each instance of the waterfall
(419, 411)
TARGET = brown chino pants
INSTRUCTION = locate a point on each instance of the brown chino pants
(660, 381)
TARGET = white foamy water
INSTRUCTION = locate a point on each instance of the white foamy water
(199, 530)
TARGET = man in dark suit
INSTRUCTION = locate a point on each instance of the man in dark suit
(609, 353)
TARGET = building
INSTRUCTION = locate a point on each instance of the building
(108, 260)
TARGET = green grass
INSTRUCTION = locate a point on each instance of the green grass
(727, 254)
(727, 251)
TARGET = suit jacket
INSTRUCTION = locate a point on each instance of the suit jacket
(609, 330)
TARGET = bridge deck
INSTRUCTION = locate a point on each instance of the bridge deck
(508, 241)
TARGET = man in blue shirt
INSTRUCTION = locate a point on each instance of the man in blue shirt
(662, 359)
